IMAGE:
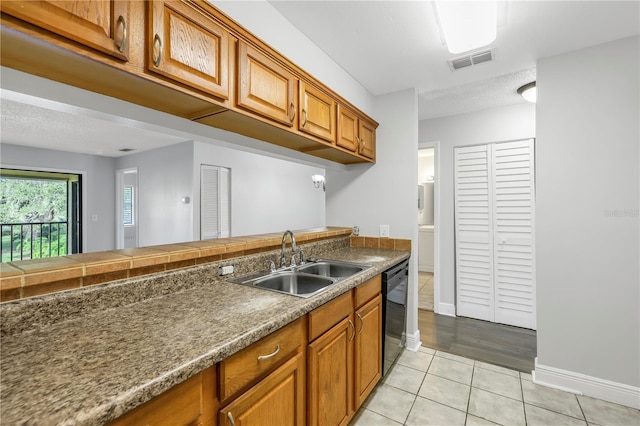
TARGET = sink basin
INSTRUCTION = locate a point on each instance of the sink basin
(303, 281)
(296, 283)
(331, 268)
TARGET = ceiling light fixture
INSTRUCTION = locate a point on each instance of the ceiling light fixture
(467, 25)
(529, 92)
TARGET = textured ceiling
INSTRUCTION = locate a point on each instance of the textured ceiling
(40, 127)
(394, 45)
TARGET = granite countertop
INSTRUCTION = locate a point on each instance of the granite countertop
(92, 368)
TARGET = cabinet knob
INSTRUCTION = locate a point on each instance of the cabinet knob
(157, 42)
(274, 353)
(123, 43)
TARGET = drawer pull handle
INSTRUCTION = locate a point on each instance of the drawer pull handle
(361, 323)
(304, 121)
(292, 116)
(158, 41)
(123, 44)
(230, 417)
(353, 327)
(274, 353)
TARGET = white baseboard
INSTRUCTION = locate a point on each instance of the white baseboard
(447, 309)
(425, 268)
(413, 341)
(582, 384)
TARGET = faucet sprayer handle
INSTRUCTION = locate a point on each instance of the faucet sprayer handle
(302, 261)
(272, 265)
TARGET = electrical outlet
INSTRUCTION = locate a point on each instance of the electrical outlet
(225, 270)
(384, 231)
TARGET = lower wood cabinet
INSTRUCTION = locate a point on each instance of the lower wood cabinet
(192, 402)
(344, 361)
(283, 380)
(330, 380)
(368, 344)
(279, 399)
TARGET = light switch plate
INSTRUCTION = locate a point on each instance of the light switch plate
(384, 231)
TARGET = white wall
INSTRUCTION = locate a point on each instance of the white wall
(164, 178)
(267, 194)
(490, 125)
(98, 184)
(384, 193)
(587, 214)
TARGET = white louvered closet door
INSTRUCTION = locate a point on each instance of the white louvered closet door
(474, 244)
(514, 202)
(495, 207)
(215, 209)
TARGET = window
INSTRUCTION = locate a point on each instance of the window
(40, 214)
(215, 203)
(128, 206)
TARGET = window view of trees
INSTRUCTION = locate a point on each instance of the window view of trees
(34, 218)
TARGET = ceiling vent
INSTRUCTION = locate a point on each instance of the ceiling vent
(470, 60)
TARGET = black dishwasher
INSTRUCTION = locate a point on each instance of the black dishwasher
(395, 281)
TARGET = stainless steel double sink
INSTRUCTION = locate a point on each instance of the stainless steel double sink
(304, 280)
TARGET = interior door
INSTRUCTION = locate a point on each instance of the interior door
(495, 218)
(127, 208)
(474, 232)
(514, 203)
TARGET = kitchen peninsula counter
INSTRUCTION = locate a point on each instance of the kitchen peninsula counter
(90, 368)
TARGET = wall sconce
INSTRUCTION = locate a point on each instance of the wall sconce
(529, 92)
(317, 180)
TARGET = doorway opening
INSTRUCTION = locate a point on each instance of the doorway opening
(426, 210)
(40, 213)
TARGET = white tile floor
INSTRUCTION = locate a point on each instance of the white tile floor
(437, 388)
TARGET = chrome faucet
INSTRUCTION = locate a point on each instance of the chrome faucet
(283, 260)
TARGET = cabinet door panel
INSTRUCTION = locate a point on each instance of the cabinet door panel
(368, 364)
(276, 400)
(347, 129)
(186, 45)
(265, 87)
(317, 113)
(367, 139)
(101, 25)
(330, 376)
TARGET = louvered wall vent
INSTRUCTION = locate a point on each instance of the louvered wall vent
(472, 59)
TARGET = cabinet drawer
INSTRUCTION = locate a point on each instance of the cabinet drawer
(252, 363)
(368, 290)
(329, 314)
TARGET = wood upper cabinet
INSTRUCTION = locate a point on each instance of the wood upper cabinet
(367, 132)
(264, 86)
(186, 44)
(368, 348)
(191, 402)
(279, 399)
(317, 113)
(101, 25)
(356, 133)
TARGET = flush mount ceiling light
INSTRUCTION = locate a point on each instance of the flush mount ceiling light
(529, 92)
(317, 180)
(467, 25)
